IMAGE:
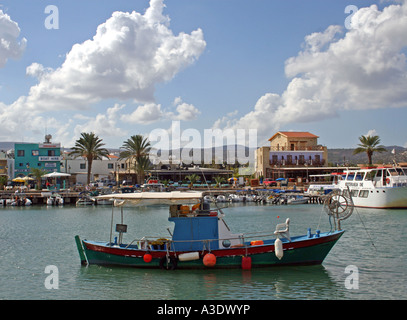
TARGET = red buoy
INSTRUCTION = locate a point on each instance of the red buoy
(246, 263)
(209, 260)
(147, 258)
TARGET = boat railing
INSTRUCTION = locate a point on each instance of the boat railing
(245, 240)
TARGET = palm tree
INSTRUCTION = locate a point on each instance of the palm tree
(219, 180)
(89, 146)
(136, 149)
(192, 179)
(38, 173)
(143, 164)
(369, 144)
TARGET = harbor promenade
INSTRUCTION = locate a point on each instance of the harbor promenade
(39, 197)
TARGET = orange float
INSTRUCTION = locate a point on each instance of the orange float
(209, 260)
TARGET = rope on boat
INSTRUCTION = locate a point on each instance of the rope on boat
(368, 234)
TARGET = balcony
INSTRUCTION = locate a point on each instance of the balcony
(297, 148)
(298, 163)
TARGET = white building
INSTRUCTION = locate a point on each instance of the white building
(102, 170)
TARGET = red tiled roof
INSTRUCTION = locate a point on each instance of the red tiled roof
(295, 134)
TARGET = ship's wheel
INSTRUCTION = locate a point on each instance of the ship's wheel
(339, 204)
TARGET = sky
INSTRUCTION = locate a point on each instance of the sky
(119, 68)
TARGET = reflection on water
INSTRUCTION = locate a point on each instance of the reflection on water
(310, 282)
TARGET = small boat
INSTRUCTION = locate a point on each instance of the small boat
(85, 201)
(221, 198)
(55, 200)
(297, 199)
(6, 202)
(201, 238)
(25, 202)
(235, 198)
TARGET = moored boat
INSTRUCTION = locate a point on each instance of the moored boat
(381, 187)
(202, 239)
(86, 201)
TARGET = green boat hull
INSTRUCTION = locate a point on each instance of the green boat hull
(301, 251)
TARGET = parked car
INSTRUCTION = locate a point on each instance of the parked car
(269, 182)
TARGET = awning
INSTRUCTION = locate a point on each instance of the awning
(150, 198)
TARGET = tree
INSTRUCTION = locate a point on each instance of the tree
(136, 149)
(38, 173)
(90, 147)
(143, 164)
(192, 179)
(219, 180)
(369, 144)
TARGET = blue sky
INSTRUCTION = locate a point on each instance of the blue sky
(226, 64)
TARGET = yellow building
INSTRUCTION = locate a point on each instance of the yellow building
(290, 155)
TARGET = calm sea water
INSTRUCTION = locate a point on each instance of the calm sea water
(35, 237)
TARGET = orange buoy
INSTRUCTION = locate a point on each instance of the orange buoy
(246, 263)
(209, 260)
(147, 258)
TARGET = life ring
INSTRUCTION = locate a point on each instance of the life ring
(172, 265)
(388, 180)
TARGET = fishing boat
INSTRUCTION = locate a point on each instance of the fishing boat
(381, 187)
(202, 239)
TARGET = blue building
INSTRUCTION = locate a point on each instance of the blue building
(45, 156)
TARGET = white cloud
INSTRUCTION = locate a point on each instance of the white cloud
(10, 46)
(371, 133)
(152, 112)
(129, 54)
(144, 114)
(102, 124)
(362, 68)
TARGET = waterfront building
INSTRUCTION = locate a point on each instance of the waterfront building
(6, 165)
(291, 155)
(45, 156)
(106, 169)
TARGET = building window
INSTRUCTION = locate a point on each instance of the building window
(82, 166)
(51, 153)
(20, 153)
(110, 165)
(35, 153)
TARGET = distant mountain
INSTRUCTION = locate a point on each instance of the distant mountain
(341, 156)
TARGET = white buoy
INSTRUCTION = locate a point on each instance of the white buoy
(278, 245)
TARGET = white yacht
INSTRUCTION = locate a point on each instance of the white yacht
(381, 187)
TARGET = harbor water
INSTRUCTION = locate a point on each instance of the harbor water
(368, 262)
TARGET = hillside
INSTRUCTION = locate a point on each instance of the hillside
(341, 156)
